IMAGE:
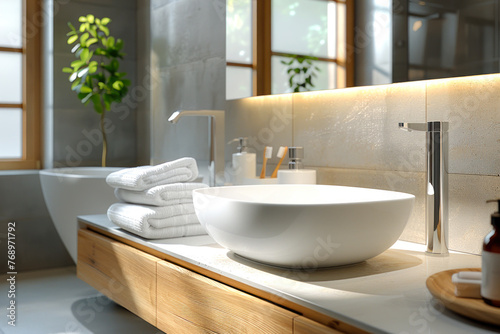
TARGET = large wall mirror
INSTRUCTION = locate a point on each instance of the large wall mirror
(327, 44)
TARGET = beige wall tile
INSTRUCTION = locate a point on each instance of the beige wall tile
(358, 127)
(412, 183)
(266, 121)
(472, 106)
(469, 215)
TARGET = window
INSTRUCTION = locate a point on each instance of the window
(20, 29)
(267, 41)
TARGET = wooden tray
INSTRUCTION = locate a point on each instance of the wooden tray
(442, 288)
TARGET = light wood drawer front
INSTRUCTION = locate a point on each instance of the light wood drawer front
(210, 306)
(123, 273)
(302, 325)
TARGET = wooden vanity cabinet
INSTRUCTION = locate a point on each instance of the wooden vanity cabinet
(120, 272)
(176, 299)
(214, 307)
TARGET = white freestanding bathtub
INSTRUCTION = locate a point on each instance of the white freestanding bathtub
(71, 192)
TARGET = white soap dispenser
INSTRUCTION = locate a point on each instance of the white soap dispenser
(244, 163)
(296, 174)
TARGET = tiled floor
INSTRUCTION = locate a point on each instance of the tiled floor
(55, 301)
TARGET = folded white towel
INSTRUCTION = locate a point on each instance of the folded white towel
(156, 222)
(154, 216)
(144, 177)
(164, 233)
(167, 194)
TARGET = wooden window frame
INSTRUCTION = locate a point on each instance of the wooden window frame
(31, 96)
(262, 51)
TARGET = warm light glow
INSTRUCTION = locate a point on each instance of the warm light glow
(375, 89)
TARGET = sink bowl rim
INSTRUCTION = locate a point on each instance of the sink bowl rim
(214, 192)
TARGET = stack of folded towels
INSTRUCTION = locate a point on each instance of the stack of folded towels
(157, 201)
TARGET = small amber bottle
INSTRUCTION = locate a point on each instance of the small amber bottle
(490, 285)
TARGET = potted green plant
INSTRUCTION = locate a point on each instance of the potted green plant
(95, 75)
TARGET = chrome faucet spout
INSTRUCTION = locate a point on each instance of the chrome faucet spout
(437, 183)
(215, 140)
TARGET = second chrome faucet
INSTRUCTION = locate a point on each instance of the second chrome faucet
(437, 183)
(215, 140)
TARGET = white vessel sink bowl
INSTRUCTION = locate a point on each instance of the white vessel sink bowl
(303, 226)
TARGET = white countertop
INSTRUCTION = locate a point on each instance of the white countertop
(386, 294)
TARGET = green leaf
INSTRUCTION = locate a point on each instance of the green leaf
(105, 20)
(118, 85)
(92, 67)
(82, 27)
(84, 55)
(91, 41)
(71, 26)
(93, 31)
(84, 38)
(90, 18)
(105, 30)
(119, 44)
(110, 43)
(71, 33)
(114, 65)
(85, 89)
(97, 103)
(72, 39)
(67, 70)
(76, 64)
(82, 19)
(102, 86)
(75, 84)
(126, 82)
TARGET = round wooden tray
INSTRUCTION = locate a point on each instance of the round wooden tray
(442, 288)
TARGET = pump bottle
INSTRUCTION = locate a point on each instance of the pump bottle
(490, 284)
(244, 163)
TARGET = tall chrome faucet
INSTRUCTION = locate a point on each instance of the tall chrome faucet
(437, 184)
(215, 140)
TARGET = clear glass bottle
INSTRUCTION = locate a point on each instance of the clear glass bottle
(490, 285)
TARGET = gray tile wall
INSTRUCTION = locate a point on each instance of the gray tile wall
(188, 71)
(351, 137)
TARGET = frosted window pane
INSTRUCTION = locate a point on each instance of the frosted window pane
(238, 82)
(11, 126)
(11, 77)
(11, 23)
(304, 27)
(326, 76)
(239, 31)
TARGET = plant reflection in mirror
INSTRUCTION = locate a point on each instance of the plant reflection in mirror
(301, 70)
